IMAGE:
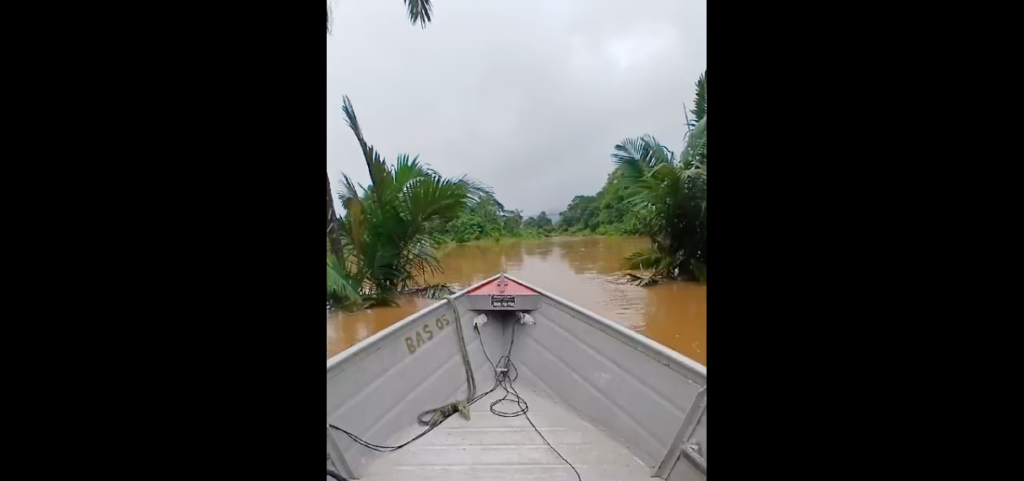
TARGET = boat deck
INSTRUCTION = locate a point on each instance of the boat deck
(497, 448)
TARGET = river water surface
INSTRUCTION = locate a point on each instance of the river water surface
(585, 270)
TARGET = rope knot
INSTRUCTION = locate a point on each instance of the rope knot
(436, 416)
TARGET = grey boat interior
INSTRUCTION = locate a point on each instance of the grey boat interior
(613, 403)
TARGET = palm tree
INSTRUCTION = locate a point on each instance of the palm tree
(696, 138)
(419, 11)
(700, 104)
(334, 242)
(390, 229)
(669, 197)
(669, 202)
(341, 288)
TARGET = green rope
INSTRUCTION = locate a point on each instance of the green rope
(433, 417)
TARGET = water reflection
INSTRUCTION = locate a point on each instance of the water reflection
(601, 255)
(586, 271)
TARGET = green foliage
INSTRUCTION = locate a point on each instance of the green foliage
(700, 103)
(649, 259)
(581, 214)
(615, 230)
(668, 198)
(512, 223)
(432, 291)
(488, 219)
(419, 11)
(485, 219)
(342, 290)
(604, 213)
(541, 223)
(389, 229)
(532, 233)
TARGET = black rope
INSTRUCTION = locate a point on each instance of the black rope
(428, 417)
(505, 373)
(504, 376)
(441, 415)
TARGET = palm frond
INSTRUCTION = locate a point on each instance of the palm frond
(638, 155)
(667, 201)
(435, 198)
(354, 219)
(393, 226)
(353, 123)
(423, 263)
(629, 151)
(694, 140)
(432, 291)
(642, 281)
(408, 170)
(382, 183)
(648, 259)
(340, 285)
(700, 104)
(419, 11)
(689, 124)
(475, 190)
(348, 195)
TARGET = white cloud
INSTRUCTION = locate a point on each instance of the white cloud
(527, 97)
(645, 45)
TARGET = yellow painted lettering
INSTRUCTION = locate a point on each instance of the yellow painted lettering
(410, 346)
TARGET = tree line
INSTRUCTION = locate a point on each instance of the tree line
(603, 213)
(385, 242)
(668, 198)
(651, 191)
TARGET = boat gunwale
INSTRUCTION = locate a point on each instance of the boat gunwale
(361, 346)
(648, 346)
(630, 337)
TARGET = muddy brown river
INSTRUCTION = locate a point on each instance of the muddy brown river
(584, 270)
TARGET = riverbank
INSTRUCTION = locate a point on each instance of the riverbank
(447, 246)
(587, 270)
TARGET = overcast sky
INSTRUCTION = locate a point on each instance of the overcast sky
(529, 97)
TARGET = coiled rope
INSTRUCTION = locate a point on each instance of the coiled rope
(504, 374)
